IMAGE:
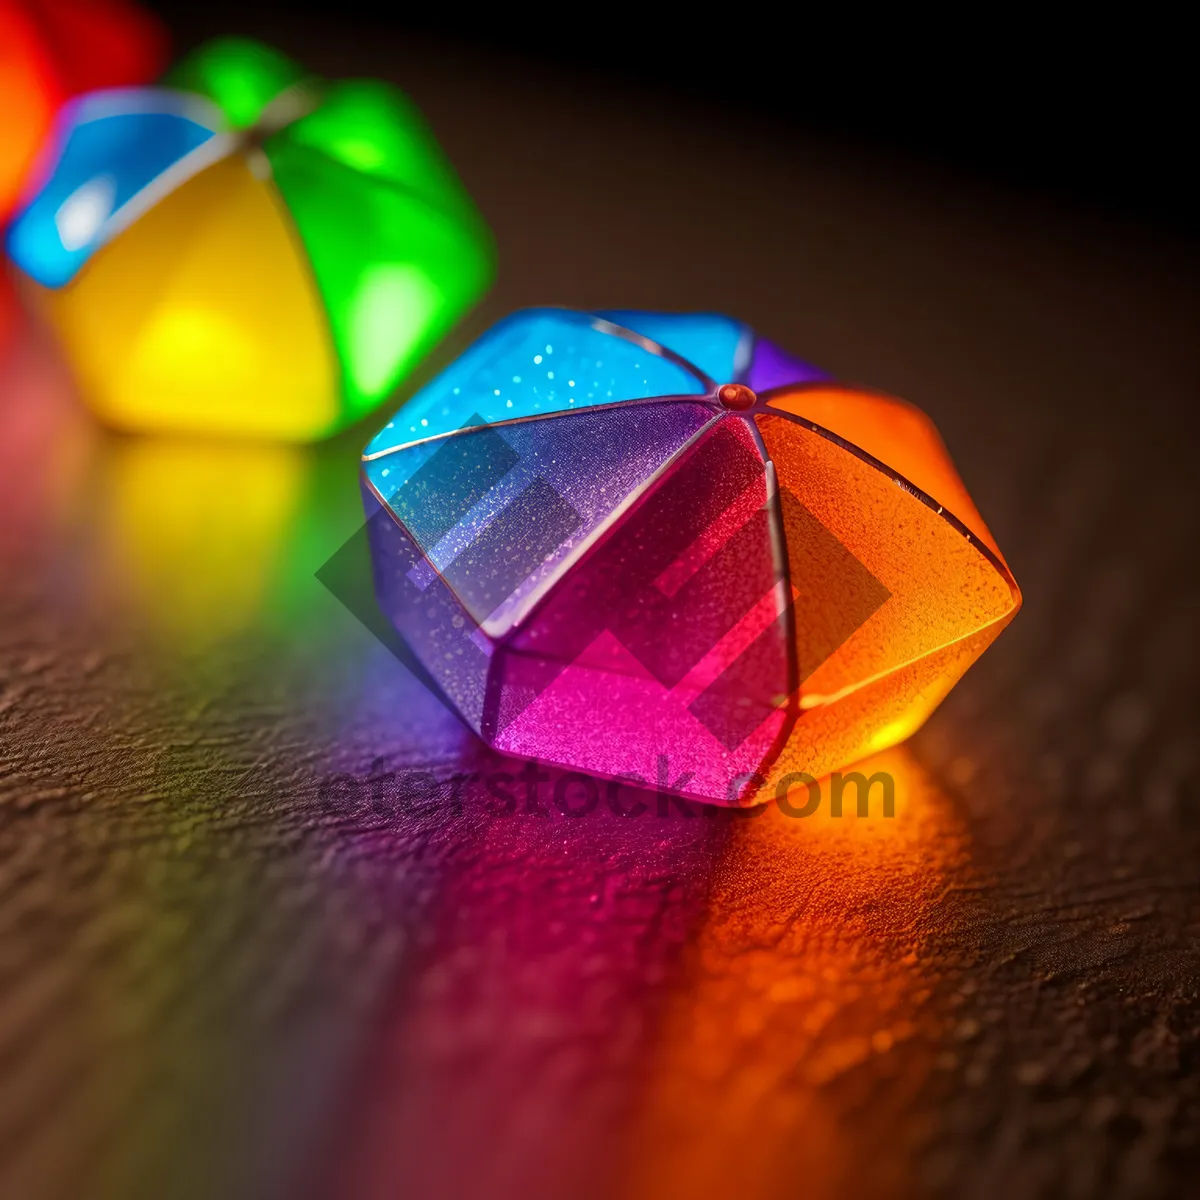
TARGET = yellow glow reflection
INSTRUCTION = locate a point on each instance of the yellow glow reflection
(193, 533)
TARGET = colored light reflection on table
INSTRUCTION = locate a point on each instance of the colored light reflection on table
(193, 542)
(811, 969)
(669, 1007)
(549, 1000)
(248, 250)
(197, 559)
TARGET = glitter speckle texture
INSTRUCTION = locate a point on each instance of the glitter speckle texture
(710, 570)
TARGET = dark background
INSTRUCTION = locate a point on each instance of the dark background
(1096, 109)
(237, 955)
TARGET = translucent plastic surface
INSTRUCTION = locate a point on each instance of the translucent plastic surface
(498, 510)
(485, 525)
(772, 367)
(895, 433)
(201, 316)
(342, 186)
(51, 50)
(937, 598)
(239, 76)
(716, 344)
(375, 130)
(115, 145)
(668, 641)
(394, 271)
(538, 361)
(785, 590)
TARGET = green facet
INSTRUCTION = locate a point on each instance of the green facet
(375, 129)
(240, 76)
(397, 249)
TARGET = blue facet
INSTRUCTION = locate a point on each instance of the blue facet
(113, 147)
(535, 362)
(717, 344)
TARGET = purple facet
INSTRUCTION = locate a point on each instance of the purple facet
(480, 530)
(772, 367)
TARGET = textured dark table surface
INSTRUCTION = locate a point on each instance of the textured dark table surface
(246, 950)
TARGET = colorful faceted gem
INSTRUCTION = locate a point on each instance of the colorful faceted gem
(248, 250)
(51, 50)
(656, 546)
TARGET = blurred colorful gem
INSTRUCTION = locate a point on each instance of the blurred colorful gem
(249, 250)
(51, 50)
(655, 545)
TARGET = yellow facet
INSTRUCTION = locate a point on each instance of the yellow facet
(202, 317)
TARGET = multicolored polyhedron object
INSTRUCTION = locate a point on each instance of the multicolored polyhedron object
(650, 545)
(51, 50)
(246, 249)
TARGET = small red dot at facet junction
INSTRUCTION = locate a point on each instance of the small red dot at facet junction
(736, 395)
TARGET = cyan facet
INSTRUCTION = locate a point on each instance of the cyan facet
(717, 344)
(114, 144)
(536, 362)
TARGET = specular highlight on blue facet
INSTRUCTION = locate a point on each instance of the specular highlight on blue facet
(536, 362)
(717, 344)
(108, 156)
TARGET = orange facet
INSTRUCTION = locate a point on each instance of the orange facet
(56, 49)
(29, 95)
(949, 592)
(897, 434)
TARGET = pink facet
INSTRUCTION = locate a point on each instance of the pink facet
(666, 651)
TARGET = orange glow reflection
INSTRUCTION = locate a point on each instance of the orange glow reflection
(808, 988)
